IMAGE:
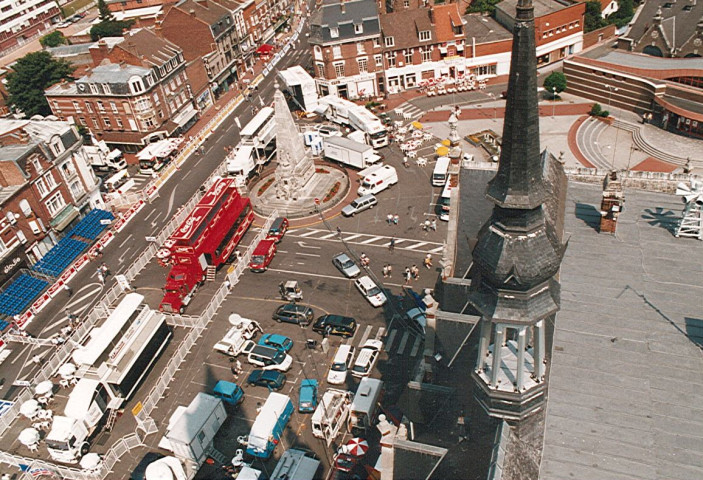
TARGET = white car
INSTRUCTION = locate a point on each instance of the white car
(368, 355)
(341, 364)
(270, 358)
(370, 291)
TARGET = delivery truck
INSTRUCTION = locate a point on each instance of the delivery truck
(190, 436)
(268, 427)
(364, 407)
(331, 414)
(377, 178)
(349, 152)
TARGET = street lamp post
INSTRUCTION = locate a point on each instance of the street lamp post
(611, 89)
(554, 99)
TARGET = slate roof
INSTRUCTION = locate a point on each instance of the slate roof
(542, 7)
(686, 20)
(364, 12)
(484, 29)
(145, 44)
(113, 73)
(404, 26)
(626, 381)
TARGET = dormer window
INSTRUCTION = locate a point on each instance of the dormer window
(334, 32)
(358, 28)
(425, 35)
(106, 88)
(93, 88)
(389, 41)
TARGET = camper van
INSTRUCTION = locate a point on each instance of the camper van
(377, 178)
(268, 427)
(441, 172)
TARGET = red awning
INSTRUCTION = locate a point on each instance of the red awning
(265, 49)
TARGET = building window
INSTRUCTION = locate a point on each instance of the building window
(77, 189)
(149, 122)
(89, 107)
(157, 100)
(49, 178)
(94, 88)
(425, 35)
(3, 248)
(337, 51)
(390, 42)
(409, 57)
(360, 48)
(339, 69)
(119, 123)
(378, 59)
(56, 106)
(37, 165)
(483, 70)
(426, 54)
(391, 59)
(358, 28)
(376, 43)
(406, 3)
(55, 204)
(107, 123)
(106, 88)
(77, 107)
(57, 148)
(334, 32)
(101, 107)
(41, 188)
(363, 65)
(81, 120)
(67, 170)
(95, 122)
(320, 70)
(136, 86)
(113, 106)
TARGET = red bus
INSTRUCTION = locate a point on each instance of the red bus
(206, 238)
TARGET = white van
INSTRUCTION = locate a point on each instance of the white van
(441, 172)
(377, 178)
(340, 364)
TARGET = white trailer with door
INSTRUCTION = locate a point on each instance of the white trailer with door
(349, 152)
(301, 87)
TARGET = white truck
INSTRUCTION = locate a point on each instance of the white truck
(102, 159)
(191, 433)
(257, 145)
(349, 152)
(67, 441)
(364, 407)
(377, 178)
(331, 414)
(235, 339)
(365, 121)
(301, 86)
(268, 427)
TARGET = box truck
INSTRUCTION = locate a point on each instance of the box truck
(349, 152)
(190, 436)
(296, 465)
(331, 414)
(364, 407)
(268, 427)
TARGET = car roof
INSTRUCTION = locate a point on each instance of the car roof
(365, 197)
(331, 317)
(342, 256)
(275, 337)
(366, 281)
(293, 307)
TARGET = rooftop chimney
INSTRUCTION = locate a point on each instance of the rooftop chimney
(192, 12)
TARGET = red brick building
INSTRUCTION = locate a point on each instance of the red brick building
(22, 20)
(138, 91)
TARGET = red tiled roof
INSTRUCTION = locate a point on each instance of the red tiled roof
(446, 17)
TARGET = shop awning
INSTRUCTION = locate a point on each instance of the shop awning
(64, 218)
(417, 125)
(185, 115)
(265, 49)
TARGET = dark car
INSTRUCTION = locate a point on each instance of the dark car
(139, 472)
(279, 227)
(335, 325)
(271, 379)
(294, 313)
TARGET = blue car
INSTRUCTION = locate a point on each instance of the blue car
(307, 396)
(275, 340)
(229, 392)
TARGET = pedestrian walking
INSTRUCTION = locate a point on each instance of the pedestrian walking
(364, 260)
(395, 219)
(385, 271)
(390, 270)
(389, 219)
(428, 261)
(104, 269)
(408, 275)
(68, 289)
(415, 272)
(433, 224)
(101, 278)
(391, 245)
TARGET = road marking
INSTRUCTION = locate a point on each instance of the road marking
(366, 334)
(370, 240)
(297, 272)
(307, 234)
(308, 254)
(347, 239)
(416, 347)
(403, 342)
(333, 234)
(184, 176)
(305, 245)
(389, 341)
(17, 357)
(129, 237)
(418, 245)
(437, 250)
(149, 215)
(122, 257)
(380, 333)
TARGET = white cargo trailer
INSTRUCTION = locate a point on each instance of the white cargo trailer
(349, 152)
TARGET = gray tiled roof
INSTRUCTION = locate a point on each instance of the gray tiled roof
(364, 12)
(542, 7)
(685, 20)
(113, 73)
(626, 59)
(484, 29)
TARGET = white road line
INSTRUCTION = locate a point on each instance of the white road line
(416, 347)
(297, 272)
(370, 240)
(403, 343)
(380, 333)
(17, 357)
(366, 334)
(348, 239)
(307, 254)
(329, 235)
(389, 341)
(417, 245)
(307, 234)
(149, 215)
(129, 237)
(437, 250)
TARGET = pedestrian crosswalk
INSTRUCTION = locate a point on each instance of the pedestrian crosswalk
(408, 111)
(141, 180)
(407, 342)
(369, 240)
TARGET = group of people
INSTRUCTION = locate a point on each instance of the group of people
(364, 260)
(103, 272)
(411, 273)
(387, 270)
(392, 219)
(428, 225)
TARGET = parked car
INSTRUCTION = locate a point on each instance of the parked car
(307, 396)
(263, 254)
(341, 364)
(228, 392)
(327, 131)
(345, 462)
(335, 325)
(294, 313)
(270, 358)
(358, 205)
(278, 228)
(271, 379)
(346, 265)
(370, 291)
(367, 357)
(275, 340)
(417, 315)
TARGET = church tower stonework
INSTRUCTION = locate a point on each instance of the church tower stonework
(518, 251)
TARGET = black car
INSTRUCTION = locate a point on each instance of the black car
(294, 313)
(139, 472)
(335, 325)
(271, 379)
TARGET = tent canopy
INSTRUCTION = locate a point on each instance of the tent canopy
(264, 49)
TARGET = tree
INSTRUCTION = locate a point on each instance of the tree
(114, 28)
(31, 75)
(555, 83)
(592, 18)
(53, 39)
(623, 14)
(482, 6)
(105, 13)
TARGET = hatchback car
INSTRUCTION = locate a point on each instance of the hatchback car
(294, 313)
(278, 228)
(270, 379)
(275, 340)
(346, 265)
(370, 291)
(367, 357)
(359, 205)
(269, 358)
(307, 396)
(335, 325)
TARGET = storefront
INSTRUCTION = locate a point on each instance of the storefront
(679, 115)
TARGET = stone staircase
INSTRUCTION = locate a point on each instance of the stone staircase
(643, 146)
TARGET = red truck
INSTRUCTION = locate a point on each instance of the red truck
(206, 238)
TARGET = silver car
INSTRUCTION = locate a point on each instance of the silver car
(346, 265)
(359, 205)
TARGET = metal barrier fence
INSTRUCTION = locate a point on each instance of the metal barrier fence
(34, 464)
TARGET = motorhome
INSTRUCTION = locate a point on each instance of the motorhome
(268, 427)
(331, 414)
